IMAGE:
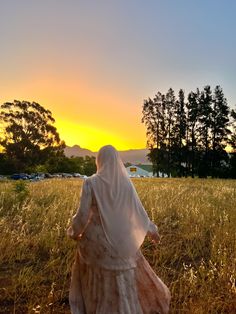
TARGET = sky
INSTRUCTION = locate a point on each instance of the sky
(93, 62)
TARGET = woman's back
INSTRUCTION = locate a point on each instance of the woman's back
(94, 247)
(110, 275)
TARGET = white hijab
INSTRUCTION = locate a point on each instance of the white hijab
(125, 221)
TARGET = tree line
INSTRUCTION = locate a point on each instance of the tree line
(30, 143)
(193, 135)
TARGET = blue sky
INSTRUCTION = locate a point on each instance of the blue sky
(108, 56)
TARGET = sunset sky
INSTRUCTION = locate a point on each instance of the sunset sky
(92, 63)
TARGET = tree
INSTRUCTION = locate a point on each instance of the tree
(6, 165)
(89, 166)
(29, 137)
(150, 120)
(158, 158)
(170, 106)
(219, 130)
(232, 140)
(180, 133)
(205, 123)
(189, 138)
(232, 143)
(155, 118)
(192, 126)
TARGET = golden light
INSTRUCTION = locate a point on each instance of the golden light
(88, 137)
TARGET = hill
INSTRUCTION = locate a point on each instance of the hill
(134, 156)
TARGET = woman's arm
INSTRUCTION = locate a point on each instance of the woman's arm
(83, 214)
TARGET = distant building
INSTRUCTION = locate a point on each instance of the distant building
(141, 170)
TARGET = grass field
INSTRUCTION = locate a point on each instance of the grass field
(196, 257)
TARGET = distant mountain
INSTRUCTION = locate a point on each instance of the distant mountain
(134, 156)
(78, 151)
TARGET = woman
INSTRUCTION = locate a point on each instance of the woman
(110, 274)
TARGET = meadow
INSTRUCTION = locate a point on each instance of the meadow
(196, 257)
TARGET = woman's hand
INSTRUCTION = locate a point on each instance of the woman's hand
(153, 233)
(155, 237)
(71, 234)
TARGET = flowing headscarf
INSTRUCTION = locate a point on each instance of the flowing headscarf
(124, 220)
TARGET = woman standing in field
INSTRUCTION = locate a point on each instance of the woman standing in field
(110, 275)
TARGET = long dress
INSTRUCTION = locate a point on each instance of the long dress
(103, 282)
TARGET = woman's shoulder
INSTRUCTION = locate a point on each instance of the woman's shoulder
(91, 179)
(87, 179)
(88, 182)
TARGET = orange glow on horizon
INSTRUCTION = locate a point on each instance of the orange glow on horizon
(87, 136)
(85, 115)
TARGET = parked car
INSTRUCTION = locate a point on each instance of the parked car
(20, 176)
(36, 176)
(48, 175)
(77, 175)
(67, 175)
(56, 175)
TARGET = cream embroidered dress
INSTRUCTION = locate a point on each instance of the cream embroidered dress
(103, 280)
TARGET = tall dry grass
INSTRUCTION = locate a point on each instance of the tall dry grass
(196, 257)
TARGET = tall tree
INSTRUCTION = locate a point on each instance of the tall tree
(180, 134)
(232, 143)
(219, 129)
(189, 138)
(159, 118)
(192, 127)
(150, 120)
(155, 120)
(232, 139)
(205, 123)
(170, 111)
(29, 137)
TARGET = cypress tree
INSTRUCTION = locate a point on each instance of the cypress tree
(180, 133)
(205, 123)
(192, 123)
(219, 129)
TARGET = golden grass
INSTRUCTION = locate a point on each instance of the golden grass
(196, 257)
